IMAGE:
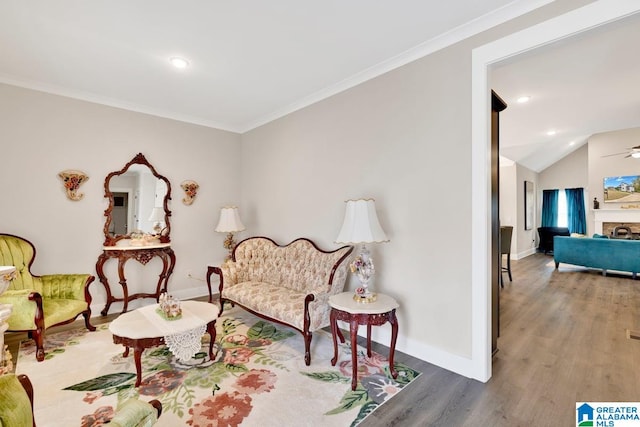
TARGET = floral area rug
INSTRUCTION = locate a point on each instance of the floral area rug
(258, 378)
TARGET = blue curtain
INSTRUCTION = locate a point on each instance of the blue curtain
(575, 207)
(549, 208)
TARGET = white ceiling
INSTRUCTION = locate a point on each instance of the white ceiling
(579, 86)
(252, 61)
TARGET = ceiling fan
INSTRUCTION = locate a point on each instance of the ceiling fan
(631, 152)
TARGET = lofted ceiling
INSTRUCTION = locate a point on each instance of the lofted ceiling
(579, 86)
(252, 61)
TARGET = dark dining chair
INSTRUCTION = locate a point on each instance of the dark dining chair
(506, 232)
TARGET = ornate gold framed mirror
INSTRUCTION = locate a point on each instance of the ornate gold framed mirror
(138, 203)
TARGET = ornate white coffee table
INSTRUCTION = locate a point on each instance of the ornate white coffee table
(144, 328)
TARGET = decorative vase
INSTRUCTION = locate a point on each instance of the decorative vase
(362, 266)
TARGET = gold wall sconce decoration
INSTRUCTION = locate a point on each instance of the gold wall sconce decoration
(190, 190)
(72, 179)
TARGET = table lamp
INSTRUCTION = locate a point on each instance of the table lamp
(361, 226)
(229, 223)
(157, 216)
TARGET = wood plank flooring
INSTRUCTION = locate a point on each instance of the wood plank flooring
(563, 340)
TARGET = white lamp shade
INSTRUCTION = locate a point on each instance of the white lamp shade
(157, 214)
(361, 223)
(229, 220)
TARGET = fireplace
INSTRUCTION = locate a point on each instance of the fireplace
(617, 221)
(621, 230)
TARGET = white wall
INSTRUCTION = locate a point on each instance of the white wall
(403, 139)
(572, 171)
(508, 196)
(384, 139)
(44, 134)
(526, 240)
(569, 172)
(512, 178)
(602, 165)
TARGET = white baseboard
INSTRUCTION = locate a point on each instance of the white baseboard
(523, 254)
(443, 359)
(449, 361)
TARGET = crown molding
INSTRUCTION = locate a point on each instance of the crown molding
(115, 103)
(469, 29)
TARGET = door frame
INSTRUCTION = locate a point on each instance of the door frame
(572, 23)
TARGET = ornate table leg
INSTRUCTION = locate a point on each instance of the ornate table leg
(333, 319)
(211, 329)
(210, 271)
(368, 339)
(172, 264)
(394, 336)
(137, 356)
(163, 277)
(105, 282)
(123, 283)
(168, 258)
(353, 328)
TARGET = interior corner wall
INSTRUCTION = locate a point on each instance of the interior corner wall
(403, 139)
(43, 134)
(572, 171)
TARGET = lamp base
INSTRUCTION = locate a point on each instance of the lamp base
(157, 228)
(229, 244)
(365, 299)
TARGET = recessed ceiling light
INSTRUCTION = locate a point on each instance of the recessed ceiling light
(551, 132)
(523, 99)
(178, 62)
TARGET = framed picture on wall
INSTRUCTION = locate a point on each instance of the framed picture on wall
(528, 205)
(621, 189)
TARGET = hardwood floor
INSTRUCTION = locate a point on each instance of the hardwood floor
(563, 340)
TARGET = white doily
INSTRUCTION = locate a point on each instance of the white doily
(186, 344)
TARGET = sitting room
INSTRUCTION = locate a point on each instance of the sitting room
(137, 128)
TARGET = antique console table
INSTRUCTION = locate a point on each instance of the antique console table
(382, 310)
(142, 254)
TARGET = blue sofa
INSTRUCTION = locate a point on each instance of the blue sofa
(601, 253)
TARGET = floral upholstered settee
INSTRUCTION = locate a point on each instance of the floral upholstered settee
(288, 284)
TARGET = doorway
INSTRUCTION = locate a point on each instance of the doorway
(571, 23)
(120, 214)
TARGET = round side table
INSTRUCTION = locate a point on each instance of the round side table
(345, 308)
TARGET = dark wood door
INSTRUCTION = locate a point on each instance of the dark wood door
(497, 105)
(120, 213)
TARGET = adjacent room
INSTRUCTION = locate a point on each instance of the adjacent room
(234, 191)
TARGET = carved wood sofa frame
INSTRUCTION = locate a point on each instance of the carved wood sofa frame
(313, 296)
